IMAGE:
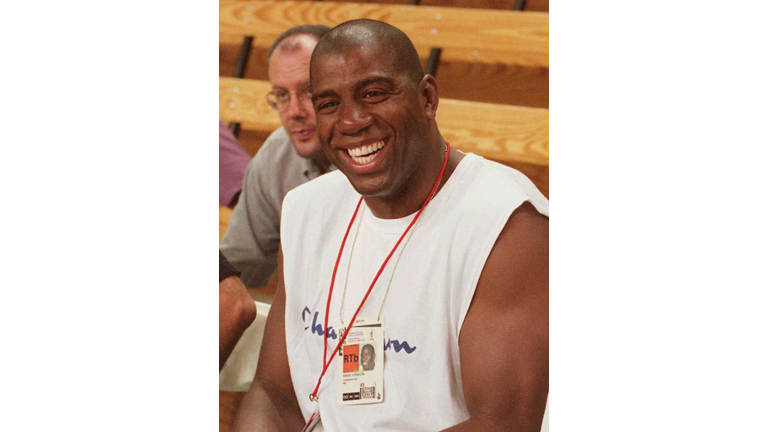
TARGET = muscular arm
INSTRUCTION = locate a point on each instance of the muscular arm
(236, 312)
(270, 404)
(236, 309)
(504, 341)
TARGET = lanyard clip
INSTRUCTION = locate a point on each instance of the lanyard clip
(313, 397)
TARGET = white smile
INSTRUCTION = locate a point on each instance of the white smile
(365, 154)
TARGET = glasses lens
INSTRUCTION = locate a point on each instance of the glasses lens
(284, 101)
(272, 100)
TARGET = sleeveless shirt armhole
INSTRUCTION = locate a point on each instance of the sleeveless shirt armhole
(496, 228)
(291, 208)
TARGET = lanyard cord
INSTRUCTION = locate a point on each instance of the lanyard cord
(326, 363)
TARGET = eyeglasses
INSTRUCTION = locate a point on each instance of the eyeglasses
(280, 100)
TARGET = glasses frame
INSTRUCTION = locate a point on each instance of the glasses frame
(306, 99)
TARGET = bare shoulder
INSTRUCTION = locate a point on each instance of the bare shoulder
(504, 341)
(516, 273)
(524, 241)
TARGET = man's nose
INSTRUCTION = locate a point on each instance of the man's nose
(353, 118)
(297, 108)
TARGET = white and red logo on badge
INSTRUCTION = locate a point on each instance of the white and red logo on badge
(351, 358)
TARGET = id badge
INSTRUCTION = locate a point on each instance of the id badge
(361, 376)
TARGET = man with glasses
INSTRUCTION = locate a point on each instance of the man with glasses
(290, 157)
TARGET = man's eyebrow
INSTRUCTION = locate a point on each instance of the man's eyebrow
(358, 86)
(374, 80)
(325, 94)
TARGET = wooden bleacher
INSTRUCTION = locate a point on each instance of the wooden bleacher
(472, 35)
(507, 54)
(493, 78)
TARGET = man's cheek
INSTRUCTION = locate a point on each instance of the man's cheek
(322, 132)
(323, 138)
(327, 151)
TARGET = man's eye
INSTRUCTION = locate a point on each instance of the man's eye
(281, 96)
(326, 106)
(374, 95)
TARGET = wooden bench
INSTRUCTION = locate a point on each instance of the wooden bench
(473, 35)
(498, 56)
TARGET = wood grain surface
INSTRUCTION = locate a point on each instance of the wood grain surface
(530, 5)
(503, 133)
(494, 83)
(471, 35)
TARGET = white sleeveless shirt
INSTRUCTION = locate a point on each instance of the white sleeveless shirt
(428, 299)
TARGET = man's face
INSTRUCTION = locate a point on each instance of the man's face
(367, 358)
(369, 119)
(289, 72)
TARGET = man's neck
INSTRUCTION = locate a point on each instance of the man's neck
(409, 202)
(321, 163)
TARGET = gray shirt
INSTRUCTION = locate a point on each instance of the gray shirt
(253, 234)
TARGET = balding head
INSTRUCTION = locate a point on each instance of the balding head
(288, 40)
(364, 33)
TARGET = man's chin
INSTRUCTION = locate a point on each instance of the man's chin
(308, 149)
(368, 186)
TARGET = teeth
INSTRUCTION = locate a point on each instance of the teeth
(363, 160)
(361, 154)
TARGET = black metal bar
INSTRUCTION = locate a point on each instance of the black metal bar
(240, 66)
(242, 57)
(433, 61)
(519, 5)
(234, 128)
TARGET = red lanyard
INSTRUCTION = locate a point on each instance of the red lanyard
(326, 363)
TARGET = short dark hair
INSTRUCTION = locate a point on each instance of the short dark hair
(313, 30)
(354, 33)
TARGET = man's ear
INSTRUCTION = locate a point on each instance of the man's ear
(428, 90)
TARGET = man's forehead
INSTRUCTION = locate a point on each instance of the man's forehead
(363, 51)
(358, 60)
(289, 65)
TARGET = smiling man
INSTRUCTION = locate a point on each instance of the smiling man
(460, 311)
(289, 157)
